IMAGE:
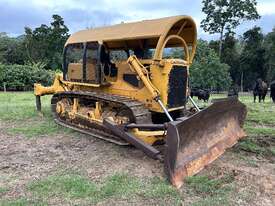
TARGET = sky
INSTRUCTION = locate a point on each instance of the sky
(82, 14)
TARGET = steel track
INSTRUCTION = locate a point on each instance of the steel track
(138, 114)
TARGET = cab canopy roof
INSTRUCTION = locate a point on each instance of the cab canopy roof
(142, 34)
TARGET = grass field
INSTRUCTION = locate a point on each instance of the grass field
(42, 163)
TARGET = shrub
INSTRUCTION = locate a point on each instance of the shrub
(22, 77)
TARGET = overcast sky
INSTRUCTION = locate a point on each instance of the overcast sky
(80, 14)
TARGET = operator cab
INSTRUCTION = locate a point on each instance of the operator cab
(93, 63)
(87, 63)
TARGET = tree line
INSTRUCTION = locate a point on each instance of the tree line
(248, 57)
(218, 64)
(32, 57)
(243, 60)
(43, 45)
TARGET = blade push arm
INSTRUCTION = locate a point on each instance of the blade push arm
(143, 74)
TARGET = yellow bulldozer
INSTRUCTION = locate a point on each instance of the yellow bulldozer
(120, 84)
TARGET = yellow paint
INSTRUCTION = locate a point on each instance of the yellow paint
(153, 74)
(98, 110)
(149, 137)
(143, 74)
(57, 86)
(60, 108)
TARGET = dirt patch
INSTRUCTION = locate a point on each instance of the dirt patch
(23, 160)
(262, 146)
(253, 184)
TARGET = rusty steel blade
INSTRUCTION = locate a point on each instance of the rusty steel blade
(195, 142)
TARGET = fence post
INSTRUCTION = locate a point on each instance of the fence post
(4, 84)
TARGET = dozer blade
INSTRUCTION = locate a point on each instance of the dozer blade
(195, 142)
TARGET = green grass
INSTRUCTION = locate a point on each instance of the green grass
(18, 110)
(3, 190)
(272, 150)
(117, 186)
(19, 202)
(259, 125)
(20, 105)
(212, 201)
(72, 188)
(261, 146)
(22, 202)
(260, 118)
(37, 127)
(253, 130)
(157, 188)
(205, 186)
(68, 186)
(211, 191)
(251, 146)
(251, 162)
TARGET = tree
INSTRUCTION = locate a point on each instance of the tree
(214, 44)
(207, 71)
(269, 45)
(226, 15)
(231, 53)
(11, 50)
(252, 61)
(177, 53)
(45, 43)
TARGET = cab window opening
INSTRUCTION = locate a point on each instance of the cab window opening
(174, 53)
(92, 66)
(175, 47)
(73, 60)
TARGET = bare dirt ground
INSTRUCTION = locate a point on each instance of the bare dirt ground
(23, 160)
(255, 183)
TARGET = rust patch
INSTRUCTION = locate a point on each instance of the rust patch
(199, 140)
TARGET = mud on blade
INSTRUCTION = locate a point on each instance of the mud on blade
(197, 141)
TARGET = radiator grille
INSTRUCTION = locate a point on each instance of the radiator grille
(177, 87)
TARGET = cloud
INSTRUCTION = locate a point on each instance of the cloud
(267, 23)
(13, 17)
(81, 19)
(266, 7)
(16, 14)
